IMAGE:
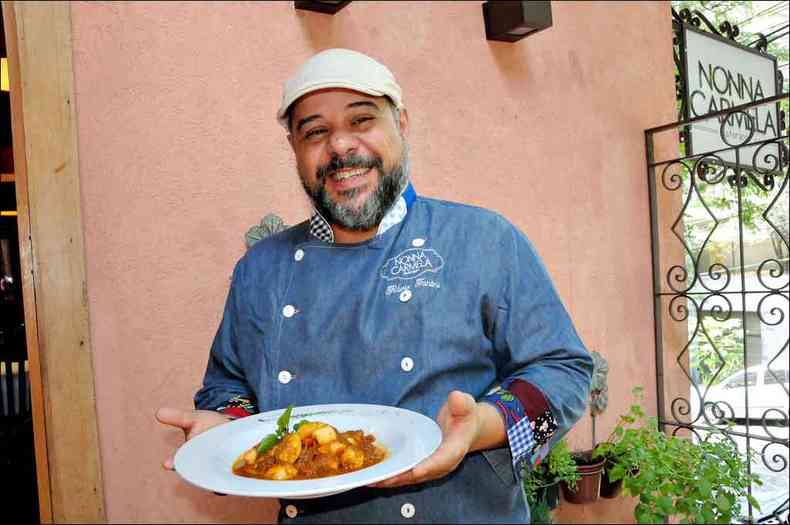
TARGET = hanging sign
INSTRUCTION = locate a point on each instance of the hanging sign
(720, 74)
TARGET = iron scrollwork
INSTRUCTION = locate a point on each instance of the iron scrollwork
(714, 189)
(775, 459)
(696, 19)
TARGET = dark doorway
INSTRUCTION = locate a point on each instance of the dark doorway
(17, 457)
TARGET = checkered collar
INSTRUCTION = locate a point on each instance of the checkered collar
(321, 230)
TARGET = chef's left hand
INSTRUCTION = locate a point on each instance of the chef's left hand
(464, 425)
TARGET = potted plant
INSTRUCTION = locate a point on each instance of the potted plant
(588, 485)
(620, 450)
(541, 483)
(677, 477)
(588, 466)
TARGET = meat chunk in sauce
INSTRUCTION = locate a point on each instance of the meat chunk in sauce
(314, 450)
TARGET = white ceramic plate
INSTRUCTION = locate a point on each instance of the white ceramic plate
(206, 460)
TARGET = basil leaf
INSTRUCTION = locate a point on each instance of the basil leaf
(283, 420)
(267, 443)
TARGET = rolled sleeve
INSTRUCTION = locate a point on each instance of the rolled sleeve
(547, 370)
(529, 422)
(225, 387)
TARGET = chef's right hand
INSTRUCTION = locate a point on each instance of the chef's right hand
(192, 422)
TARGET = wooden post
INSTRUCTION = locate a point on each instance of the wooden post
(52, 257)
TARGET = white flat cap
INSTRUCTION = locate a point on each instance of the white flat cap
(340, 68)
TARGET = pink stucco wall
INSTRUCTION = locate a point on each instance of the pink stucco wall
(180, 153)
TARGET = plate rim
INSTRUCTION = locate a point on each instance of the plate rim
(307, 493)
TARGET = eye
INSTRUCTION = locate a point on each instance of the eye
(361, 120)
(313, 133)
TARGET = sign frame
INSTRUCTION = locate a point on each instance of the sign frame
(681, 27)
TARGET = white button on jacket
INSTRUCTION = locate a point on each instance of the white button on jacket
(405, 295)
(407, 364)
(407, 510)
(298, 255)
(289, 310)
(284, 377)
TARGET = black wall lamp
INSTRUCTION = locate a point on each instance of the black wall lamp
(328, 7)
(510, 21)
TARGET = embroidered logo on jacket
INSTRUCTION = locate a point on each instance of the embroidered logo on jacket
(412, 263)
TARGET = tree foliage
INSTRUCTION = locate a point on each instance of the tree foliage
(717, 344)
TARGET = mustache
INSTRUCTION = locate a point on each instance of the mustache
(351, 161)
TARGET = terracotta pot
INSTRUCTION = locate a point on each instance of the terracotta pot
(589, 485)
(550, 494)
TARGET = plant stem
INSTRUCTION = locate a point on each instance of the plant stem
(593, 432)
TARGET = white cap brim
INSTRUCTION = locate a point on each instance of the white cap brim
(339, 68)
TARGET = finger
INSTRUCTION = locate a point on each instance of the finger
(460, 404)
(406, 478)
(175, 417)
(442, 461)
(437, 465)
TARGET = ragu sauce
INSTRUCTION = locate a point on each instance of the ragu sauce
(314, 450)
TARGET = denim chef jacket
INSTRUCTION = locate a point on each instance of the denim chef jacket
(453, 297)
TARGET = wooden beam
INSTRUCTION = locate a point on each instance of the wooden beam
(53, 262)
(26, 262)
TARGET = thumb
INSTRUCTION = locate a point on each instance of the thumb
(460, 404)
(175, 417)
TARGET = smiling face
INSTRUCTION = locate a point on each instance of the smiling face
(351, 155)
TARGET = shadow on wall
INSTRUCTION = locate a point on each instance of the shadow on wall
(321, 31)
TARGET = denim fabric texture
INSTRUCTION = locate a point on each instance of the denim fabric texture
(456, 289)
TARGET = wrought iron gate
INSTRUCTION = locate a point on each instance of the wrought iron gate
(721, 295)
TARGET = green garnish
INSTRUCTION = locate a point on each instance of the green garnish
(271, 440)
(283, 420)
(267, 443)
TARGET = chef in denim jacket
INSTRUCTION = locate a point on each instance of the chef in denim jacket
(385, 296)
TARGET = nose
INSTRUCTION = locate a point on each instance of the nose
(341, 143)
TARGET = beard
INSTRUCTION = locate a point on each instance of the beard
(369, 214)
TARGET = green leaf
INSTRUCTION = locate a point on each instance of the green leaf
(617, 472)
(641, 514)
(723, 502)
(664, 503)
(283, 420)
(267, 443)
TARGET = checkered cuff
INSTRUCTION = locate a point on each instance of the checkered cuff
(522, 443)
(528, 430)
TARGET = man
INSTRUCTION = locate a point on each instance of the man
(390, 298)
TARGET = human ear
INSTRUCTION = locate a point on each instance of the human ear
(403, 122)
(291, 142)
